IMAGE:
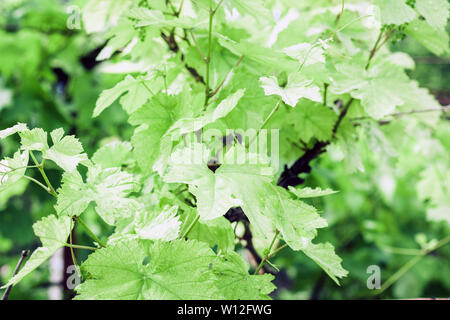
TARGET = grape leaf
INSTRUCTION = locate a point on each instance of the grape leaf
(306, 54)
(145, 17)
(217, 232)
(436, 12)
(147, 270)
(108, 188)
(13, 169)
(311, 193)
(296, 88)
(313, 120)
(35, 139)
(65, 152)
(53, 232)
(395, 12)
(437, 41)
(135, 93)
(323, 254)
(114, 154)
(235, 283)
(155, 225)
(19, 127)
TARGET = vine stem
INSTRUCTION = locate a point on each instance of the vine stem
(405, 268)
(340, 13)
(76, 246)
(40, 167)
(226, 77)
(72, 253)
(190, 227)
(266, 257)
(202, 55)
(24, 254)
(208, 57)
(269, 116)
(37, 182)
(89, 231)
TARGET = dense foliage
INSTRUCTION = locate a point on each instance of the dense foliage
(202, 145)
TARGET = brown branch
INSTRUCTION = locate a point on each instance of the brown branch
(173, 46)
(16, 270)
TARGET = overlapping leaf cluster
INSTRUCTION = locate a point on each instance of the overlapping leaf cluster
(228, 67)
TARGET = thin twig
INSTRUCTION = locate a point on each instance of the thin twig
(197, 46)
(226, 77)
(89, 231)
(190, 227)
(16, 270)
(266, 257)
(406, 267)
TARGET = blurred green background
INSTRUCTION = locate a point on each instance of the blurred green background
(49, 78)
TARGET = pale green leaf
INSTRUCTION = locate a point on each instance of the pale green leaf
(135, 93)
(145, 270)
(12, 169)
(436, 12)
(306, 54)
(296, 88)
(395, 12)
(313, 121)
(323, 254)
(53, 233)
(66, 152)
(35, 139)
(19, 127)
(437, 41)
(311, 193)
(158, 225)
(113, 154)
(235, 283)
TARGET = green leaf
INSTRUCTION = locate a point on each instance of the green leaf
(381, 88)
(436, 12)
(154, 120)
(158, 225)
(113, 154)
(313, 121)
(35, 139)
(187, 125)
(108, 188)
(147, 270)
(135, 93)
(98, 14)
(13, 169)
(323, 254)
(306, 54)
(53, 233)
(217, 232)
(436, 41)
(246, 180)
(296, 88)
(235, 283)
(311, 193)
(66, 152)
(189, 165)
(395, 12)
(269, 58)
(73, 196)
(145, 17)
(19, 127)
